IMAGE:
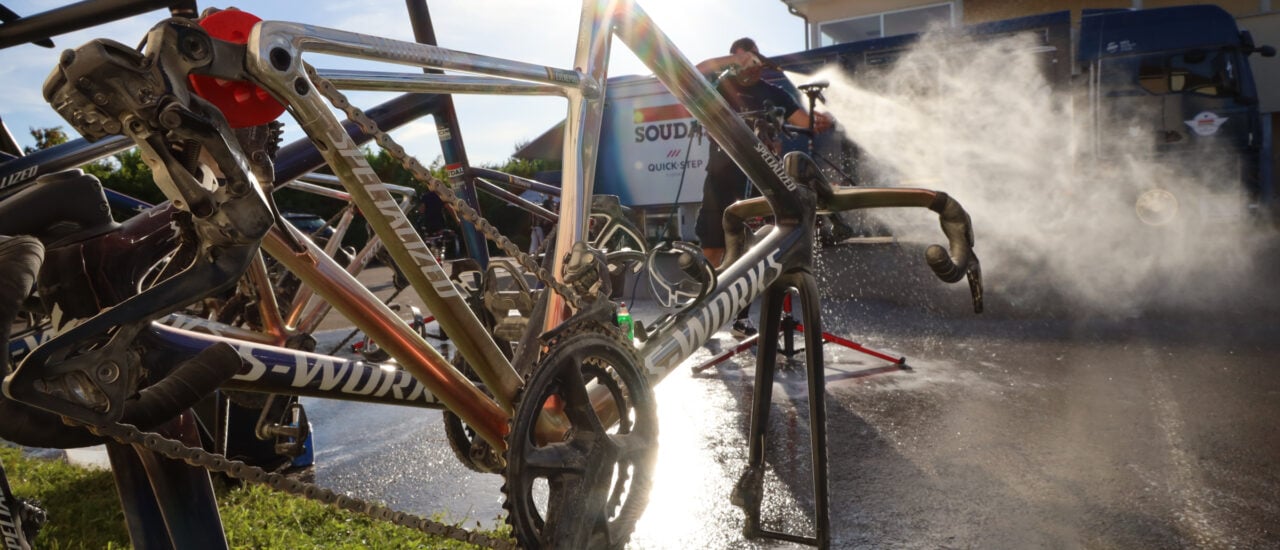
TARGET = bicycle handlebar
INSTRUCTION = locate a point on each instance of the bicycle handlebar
(80, 15)
(957, 227)
(961, 261)
(949, 264)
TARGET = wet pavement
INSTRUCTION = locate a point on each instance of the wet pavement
(1020, 428)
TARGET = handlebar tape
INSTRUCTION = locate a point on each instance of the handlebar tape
(951, 267)
(942, 265)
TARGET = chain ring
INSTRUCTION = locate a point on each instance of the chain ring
(468, 447)
(597, 481)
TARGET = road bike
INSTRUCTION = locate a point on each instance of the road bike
(572, 407)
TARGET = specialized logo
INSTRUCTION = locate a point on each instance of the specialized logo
(19, 177)
(331, 374)
(776, 165)
(8, 527)
(1206, 123)
(699, 326)
(387, 205)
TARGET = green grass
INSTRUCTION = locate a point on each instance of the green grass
(84, 512)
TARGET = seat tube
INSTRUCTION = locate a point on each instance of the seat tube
(581, 140)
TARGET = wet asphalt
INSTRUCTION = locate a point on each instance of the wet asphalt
(1023, 427)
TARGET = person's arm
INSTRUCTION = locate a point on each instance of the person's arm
(717, 64)
(821, 121)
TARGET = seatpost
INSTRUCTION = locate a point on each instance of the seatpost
(813, 91)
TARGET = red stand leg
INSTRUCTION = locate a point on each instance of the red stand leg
(788, 329)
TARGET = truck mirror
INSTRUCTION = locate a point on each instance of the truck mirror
(1247, 44)
(1246, 40)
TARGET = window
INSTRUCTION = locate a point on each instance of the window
(893, 23)
(1196, 72)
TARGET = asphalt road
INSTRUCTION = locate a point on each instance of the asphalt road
(1025, 427)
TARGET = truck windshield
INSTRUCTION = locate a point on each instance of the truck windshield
(1199, 72)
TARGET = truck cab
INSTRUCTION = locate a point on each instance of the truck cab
(1174, 85)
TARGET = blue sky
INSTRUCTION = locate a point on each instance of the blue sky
(536, 31)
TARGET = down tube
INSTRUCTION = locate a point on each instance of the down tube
(735, 289)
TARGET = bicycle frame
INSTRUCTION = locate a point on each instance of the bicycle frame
(273, 59)
(583, 88)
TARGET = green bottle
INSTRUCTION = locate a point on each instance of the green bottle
(624, 321)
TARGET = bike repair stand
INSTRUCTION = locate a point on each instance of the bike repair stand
(789, 325)
(748, 493)
(168, 504)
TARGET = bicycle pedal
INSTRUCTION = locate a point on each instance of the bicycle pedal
(292, 433)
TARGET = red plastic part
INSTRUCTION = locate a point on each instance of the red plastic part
(243, 103)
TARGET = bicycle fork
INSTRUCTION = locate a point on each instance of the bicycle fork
(748, 493)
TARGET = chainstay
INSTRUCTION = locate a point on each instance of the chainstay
(200, 458)
(441, 189)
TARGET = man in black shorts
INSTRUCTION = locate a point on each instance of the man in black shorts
(725, 183)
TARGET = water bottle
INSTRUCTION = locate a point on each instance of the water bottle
(624, 321)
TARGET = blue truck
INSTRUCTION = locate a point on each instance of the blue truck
(1182, 73)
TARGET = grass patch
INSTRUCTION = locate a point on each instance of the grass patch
(84, 513)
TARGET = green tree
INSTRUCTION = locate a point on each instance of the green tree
(127, 173)
(46, 138)
(124, 172)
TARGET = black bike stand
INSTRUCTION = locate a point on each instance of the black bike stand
(748, 493)
(790, 325)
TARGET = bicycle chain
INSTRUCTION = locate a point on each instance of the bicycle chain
(200, 458)
(441, 189)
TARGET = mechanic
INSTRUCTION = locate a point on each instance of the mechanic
(744, 90)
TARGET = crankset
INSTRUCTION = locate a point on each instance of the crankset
(598, 471)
